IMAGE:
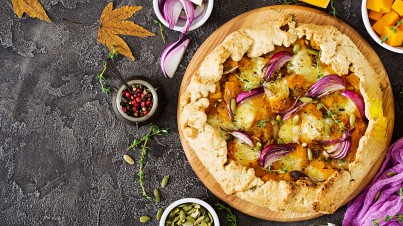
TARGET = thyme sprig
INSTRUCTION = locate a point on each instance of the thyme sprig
(284, 170)
(333, 116)
(333, 10)
(101, 76)
(231, 218)
(393, 29)
(290, 2)
(161, 30)
(398, 217)
(262, 123)
(143, 141)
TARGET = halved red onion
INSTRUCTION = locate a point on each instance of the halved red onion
(326, 85)
(172, 56)
(247, 95)
(342, 149)
(198, 12)
(357, 99)
(274, 152)
(189, 10)
(293, 109)
(276, 62)
(171, 11)
(346, 135)
(244, 138)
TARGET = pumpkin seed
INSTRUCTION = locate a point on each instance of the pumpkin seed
(290, 72)
(190, 219)
(157, 195)
(192, 210)
(182, 215)
(391, 174)
(199, 220)
(144, 219)
(295, 49)
(187, 224)
(295, 120)
(309, 153)
(165, 181)
(278, 118)
(327, 129)
(233, 105)
(197, 206)
(305, 99)
(128, 159)
(313, 52)
(377, 196)
(352, 120)
(203, 223)
(159, 214)
(259, 146)
(280, 141)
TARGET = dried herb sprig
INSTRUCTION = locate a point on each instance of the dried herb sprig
(231, 218)
(161, 30)
(284, 170)
(333, 10)
(143, 141)
(398, 217)
(290, 2)
(101, 76)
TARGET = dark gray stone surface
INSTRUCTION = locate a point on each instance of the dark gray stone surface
(61, 145)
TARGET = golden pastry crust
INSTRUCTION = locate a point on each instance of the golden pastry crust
(338, 51)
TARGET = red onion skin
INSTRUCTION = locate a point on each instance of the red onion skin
(325, 85)
(247, 95)
(362, 209)
(183, 40)
(276, 62)
(243, 137)
(274, 149)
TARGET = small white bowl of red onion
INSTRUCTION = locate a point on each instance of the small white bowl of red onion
(201, 12)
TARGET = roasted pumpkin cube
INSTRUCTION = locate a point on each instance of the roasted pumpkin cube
(398, 7)
(378, 26)
(318, 3)
(374, 5)
(390, 18)
(386, 6)
(394, 38)
(373, 15)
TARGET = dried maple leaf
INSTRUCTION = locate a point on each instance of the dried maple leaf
(31, 7)
(113, 23)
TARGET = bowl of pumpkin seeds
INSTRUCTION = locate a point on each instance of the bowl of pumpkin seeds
(189, 212)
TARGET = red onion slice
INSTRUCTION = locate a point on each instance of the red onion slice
(346, 135)
(172, 56)
(293, 109)
(172, 10)
(198, 12)
(247, 95)
(276, 62)
(340, 150)
(326, 85)
(229, 110)
(189, 10)
(357, 99)
(274, 152)
(244, 138)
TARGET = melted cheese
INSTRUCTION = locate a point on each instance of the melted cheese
(312, 128)
(221, 125)
(344, 107)
(251, 73)
(276, 90)
(288, 132)
(245, 115)
(245, 154)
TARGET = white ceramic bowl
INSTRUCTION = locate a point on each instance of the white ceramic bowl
(180, 25)
(189, 200)
(365, 19)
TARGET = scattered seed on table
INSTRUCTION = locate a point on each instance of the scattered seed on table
(128, 159)
(159, 214)
(157, 195)
(165, 181)
(144, 219)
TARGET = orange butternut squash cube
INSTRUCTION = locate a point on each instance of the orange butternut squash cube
(386, 5)
(390, 18)
(398, 7)
(318, 3)
(394, 39)
(378, 26)
(374, 5)
(373, 15)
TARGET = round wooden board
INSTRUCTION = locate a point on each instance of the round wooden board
(261, 16)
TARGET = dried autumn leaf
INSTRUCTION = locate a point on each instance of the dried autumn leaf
(31, 7)
(113, 23)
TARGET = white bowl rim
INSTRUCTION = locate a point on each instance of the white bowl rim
(153, 108)
(195, 24)
(189, 200)
(365, 19)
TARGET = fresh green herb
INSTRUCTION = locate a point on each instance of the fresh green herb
(398, 217)
(400, 192)
(245, 80)
(394, 28)
(384, 39)
(231, 218)
(320, 75)
(262, 123)
(401, 92)
(279, 170)
(333, 115)
(101, 76)
(161, 29)
(333, 10)
(154, 131)
(316, 64)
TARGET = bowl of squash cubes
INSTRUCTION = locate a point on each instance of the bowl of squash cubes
(383, 20)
